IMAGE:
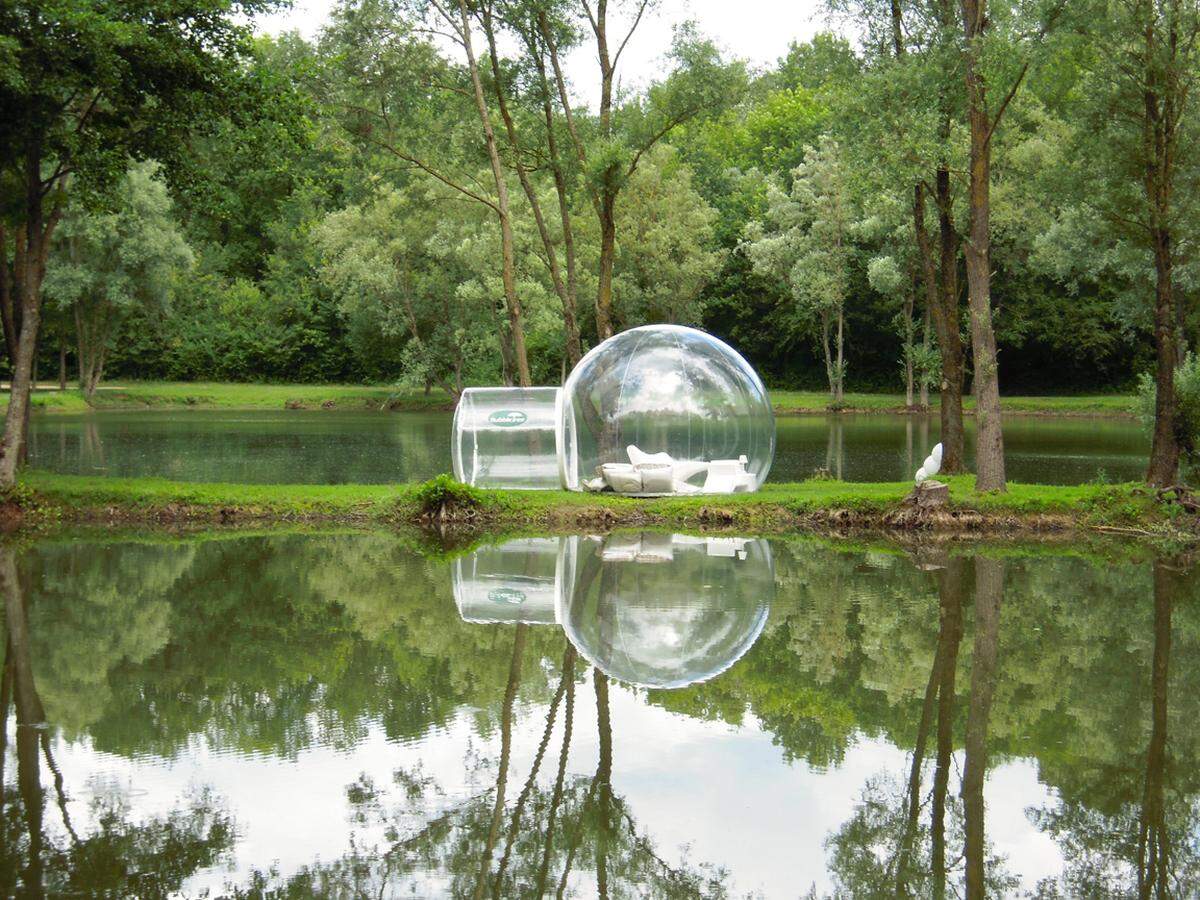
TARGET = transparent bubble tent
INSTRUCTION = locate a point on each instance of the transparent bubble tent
(653, 411)
(648, 609)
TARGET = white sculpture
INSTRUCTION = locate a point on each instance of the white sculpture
(931, 466)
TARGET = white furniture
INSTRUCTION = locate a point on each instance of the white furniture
(657, 474)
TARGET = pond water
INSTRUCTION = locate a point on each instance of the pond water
(633, 715)
(330, 447)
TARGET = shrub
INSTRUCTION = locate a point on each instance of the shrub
(444, 493)
(1187, 411)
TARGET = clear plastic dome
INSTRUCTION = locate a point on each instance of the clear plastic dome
(507, 438)
(665, 611)
(665, 409)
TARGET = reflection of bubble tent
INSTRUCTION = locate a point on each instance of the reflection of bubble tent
(666, 611)
(654, 610)
(660, 409)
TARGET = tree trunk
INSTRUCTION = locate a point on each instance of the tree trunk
(503, 210)
(570, 326)
(1164, 448)
(909, 349)
(608, 252)
(16, 420)
(840, 373)
(826, 327)
(925, 355)
(941, 299)
(989, 450)
(989, 591)
(62, 364)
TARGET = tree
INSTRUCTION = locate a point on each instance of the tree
(83, 85)
(665, 253)
(701, 84)
(399, 271)
(1138, 119)
(805, 242)
(904, 119)
(105, 264)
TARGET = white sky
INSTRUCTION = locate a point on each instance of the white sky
(755, 30)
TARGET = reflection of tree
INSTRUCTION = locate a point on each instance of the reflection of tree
(1147, 844)
(881, 850)
(148, 859)
(989, 589)
(573, 835)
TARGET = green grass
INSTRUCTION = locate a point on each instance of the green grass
(215, 395)
(777, 507)
(1098, 404)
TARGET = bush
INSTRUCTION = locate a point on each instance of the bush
(1187, 412)
(444, 493)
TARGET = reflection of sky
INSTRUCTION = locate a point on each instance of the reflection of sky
(723, 792)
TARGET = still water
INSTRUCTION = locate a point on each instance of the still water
(632, 715)
(325, 447)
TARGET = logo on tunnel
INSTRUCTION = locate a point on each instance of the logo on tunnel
(507, 595)
(507, 418)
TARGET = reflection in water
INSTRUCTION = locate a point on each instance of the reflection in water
(337, 446)
(649, 609)
(854, 722)
(120, 857)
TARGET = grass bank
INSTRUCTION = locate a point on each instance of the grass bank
(811, 506)
(215, 395)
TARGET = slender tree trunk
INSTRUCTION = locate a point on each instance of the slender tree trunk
(989, 450)
(841, 358)
(925, 355)
(503, 210)
(909, 349)
(989, 591)
(1164, 448)
(570, 326)
(62, 364)
(8, 288)
(608, 254)
(30, 269)
(941, 299)
(826, 328)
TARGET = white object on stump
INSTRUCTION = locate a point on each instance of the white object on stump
(931, 466)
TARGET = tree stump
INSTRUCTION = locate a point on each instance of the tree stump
(930, 495)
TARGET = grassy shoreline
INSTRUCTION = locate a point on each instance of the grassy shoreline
(805, 507)
(215, 395)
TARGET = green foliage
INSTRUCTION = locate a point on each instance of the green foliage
(1187, 410)
(444, 493)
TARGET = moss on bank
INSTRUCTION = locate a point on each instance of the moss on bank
(133, 395)
(817, 505)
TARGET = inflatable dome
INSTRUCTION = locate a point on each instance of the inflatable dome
(664, 409)
(507, 438)
(665, 611)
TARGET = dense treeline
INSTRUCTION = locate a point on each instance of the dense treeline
(955, 197)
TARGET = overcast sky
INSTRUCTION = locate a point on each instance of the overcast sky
(756, 30)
